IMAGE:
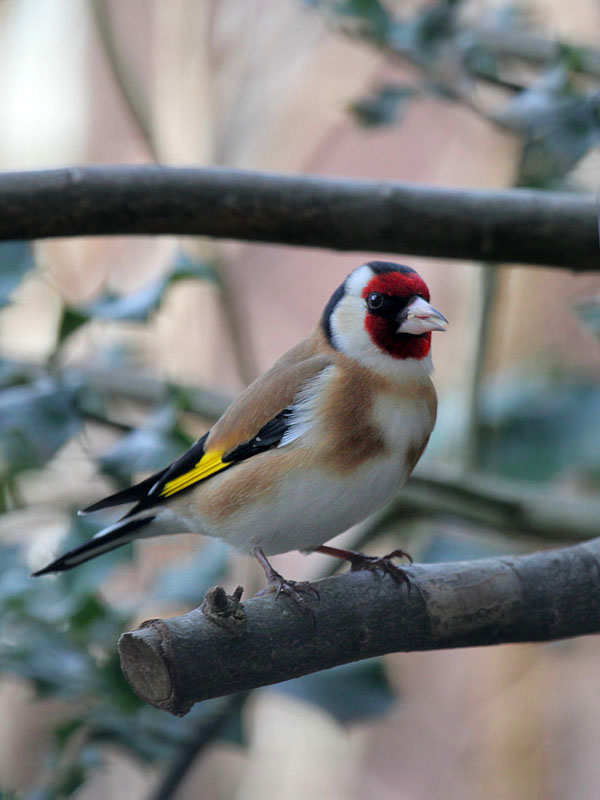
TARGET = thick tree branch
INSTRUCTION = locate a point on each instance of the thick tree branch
(177, 662)
(518, 226)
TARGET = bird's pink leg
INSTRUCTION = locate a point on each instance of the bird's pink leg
(278, 584)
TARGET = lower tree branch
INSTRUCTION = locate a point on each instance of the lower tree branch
(518, 226)
(230, 647)
(487, 501)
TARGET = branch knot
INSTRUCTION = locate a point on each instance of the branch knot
(225, 610)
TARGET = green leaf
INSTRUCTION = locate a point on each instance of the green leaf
(350, 693)
(384, 106)
(434, 25)
(233, 730)
(536, 430)
(572, 57)
(15, 373)
(67, 778)
(372, 15)
(589, 313)
(16, 260)
(551, 154)
(71, 319)
(558, 124)
(67, 728)
(187, 268)
(481, 61)
(188, 580)
(137, 306)
(35, 421)
(148, 448)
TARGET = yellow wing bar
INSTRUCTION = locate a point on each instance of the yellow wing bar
(208, 465)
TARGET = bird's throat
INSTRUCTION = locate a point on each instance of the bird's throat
(398, 345)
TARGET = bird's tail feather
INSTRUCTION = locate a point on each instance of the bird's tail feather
(109, 539)
(133, 494)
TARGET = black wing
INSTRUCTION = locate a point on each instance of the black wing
(195, 466)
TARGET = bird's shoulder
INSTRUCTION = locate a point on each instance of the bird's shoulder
(271, 393)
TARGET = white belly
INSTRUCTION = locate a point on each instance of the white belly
(314, 509)
(300, 513)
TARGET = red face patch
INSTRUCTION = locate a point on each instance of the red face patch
(397, 284)
(382, 330)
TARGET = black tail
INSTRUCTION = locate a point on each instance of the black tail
(133, 494)
(115, 536)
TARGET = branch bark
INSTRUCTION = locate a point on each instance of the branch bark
(519, 226)
(231, 647)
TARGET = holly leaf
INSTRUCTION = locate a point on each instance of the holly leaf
(384, 106)
(350, 693)
(16, 260)
(35, 421)
(137, 306)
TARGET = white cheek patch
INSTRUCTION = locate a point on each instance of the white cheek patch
(348, 326)
(357, 280)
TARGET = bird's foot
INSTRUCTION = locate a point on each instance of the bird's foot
(297, 590)
(293, 589)
(361, 561)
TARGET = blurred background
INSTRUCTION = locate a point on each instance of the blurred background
(116, 353)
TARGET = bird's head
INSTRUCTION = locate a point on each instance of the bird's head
(382, 309)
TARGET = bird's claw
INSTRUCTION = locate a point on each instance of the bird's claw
(294, 589)
(360, 561)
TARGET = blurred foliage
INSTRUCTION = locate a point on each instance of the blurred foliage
(157, 442)
(350, 693)
(137, 306)
(16, 260)
(384, 106)
(549, 97)
(542, 429)
(35, 421)
(60, 635)
(588, 312)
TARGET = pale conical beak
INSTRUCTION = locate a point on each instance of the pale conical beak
(420, 317)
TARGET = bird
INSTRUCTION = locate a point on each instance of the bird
(312, 447)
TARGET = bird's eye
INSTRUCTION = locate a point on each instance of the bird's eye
(374, 301)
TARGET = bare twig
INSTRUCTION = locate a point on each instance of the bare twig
(533, 48)
(177, 662)
(136, 104)
(519, 226)
(128, 87)
(244, 357)
(149, 390)
(493, 503)
(483, 331)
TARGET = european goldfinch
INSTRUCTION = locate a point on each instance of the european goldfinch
(313, 446)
